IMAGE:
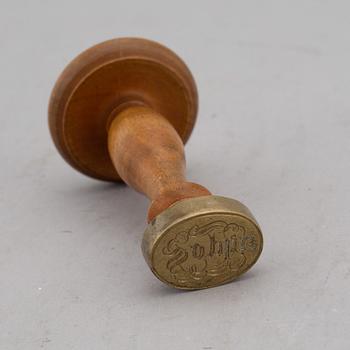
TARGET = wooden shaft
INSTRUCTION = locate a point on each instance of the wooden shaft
(149, 156)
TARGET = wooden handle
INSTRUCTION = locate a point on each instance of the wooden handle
(149, 155)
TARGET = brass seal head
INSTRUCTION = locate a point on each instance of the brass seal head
(202, 242)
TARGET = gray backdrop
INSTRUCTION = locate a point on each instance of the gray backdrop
(273, 131)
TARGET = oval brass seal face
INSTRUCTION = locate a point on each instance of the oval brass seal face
(206, 249)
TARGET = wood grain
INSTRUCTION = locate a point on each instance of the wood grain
(105, 77)
(149, 155)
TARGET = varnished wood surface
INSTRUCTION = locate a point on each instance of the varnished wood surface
(103, 78)
(149, 155)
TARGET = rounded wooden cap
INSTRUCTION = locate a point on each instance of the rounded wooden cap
(202, 242)
(103, 78)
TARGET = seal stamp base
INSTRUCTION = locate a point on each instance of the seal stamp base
(202, 242)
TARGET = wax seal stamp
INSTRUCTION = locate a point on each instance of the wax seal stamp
(122, 111)
(202, 242)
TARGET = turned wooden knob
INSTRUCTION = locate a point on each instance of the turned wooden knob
(122, 111)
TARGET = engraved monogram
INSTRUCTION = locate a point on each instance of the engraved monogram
(215, 249)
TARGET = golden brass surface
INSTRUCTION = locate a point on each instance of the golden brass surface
(202, 242)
